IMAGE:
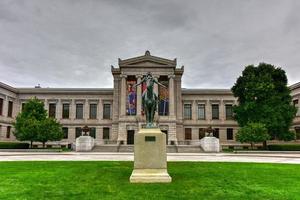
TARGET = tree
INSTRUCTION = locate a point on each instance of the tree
(264, 97)
(49, 130)
(32, 124)
(252, 133)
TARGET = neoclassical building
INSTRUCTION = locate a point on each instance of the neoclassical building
(115, 115)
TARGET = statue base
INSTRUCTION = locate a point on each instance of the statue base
(210, 144)
(150, 157)
(85, 143)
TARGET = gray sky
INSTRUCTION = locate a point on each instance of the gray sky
(61, 43)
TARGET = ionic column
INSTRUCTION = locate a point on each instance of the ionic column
(155, 90)
(222, 110)
(171, 95)
(194, 110)
(123, 95)
(58, 110)
(86, 110)
(139, 96)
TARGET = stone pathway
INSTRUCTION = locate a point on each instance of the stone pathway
(202, 157)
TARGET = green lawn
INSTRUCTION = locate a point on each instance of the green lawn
(110, 180)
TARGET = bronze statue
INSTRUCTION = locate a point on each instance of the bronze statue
(149, 99)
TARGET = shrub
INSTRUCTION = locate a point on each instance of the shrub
(284, 147)
(13, 145)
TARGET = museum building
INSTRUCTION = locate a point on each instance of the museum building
(115, 115)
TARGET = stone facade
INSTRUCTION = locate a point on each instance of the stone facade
(188, 111)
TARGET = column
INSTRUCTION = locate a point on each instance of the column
(123, 95)
(5, 106)
(194, 110)
(72, 110)
(100, 110)
(86, 110)
(171, 95)
(222, 110)
(155, 90)
(139, 96)
(99, 135)
(58, 114)
(71, 134)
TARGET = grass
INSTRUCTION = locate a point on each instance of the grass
(110, 180)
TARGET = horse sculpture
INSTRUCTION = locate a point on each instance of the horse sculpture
(149, 99)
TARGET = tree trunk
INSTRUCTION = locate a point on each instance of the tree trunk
(252, 145)
(265, 147)
(31, 144)
(43, 145)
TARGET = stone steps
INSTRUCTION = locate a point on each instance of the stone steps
(130, 148)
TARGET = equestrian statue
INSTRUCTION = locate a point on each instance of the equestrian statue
(149, 98)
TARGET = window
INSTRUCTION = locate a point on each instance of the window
(79, 111)
(106, 111)
(93, 111)
(65, 132)
(10, 109)
(23, 106)
(78, 132)
(105, 133)
(187, 133)
(52, 110)
(229, 134)
(1, 106)
(215, 111)
(295, 102)
(8, 131)
(187, 111)
(201, 133)
(93, 132)
(229, 112)
(297, 130)
(66, 111)
(201, 111)
(216, 132)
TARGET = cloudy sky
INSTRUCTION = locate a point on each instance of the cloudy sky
(64, 43)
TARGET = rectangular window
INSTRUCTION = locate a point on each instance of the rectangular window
(201, 133)
(201, 111)
(66, 111)
(23, 106)
(10, 109)
(216, 132)
(105, 133)
(1, 106)
(229, 112)
(52, 110)
(106, 111)
(295, 102)
(93, 132)
(93, 111)
(78, 132)
(65, 132)
(215, 111)
(79, 111)
(8, 131)
(229, 134)
(187, 111)
(187, 133)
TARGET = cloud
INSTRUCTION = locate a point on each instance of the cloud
(73, 43)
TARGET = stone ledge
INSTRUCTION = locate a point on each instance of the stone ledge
(150, 176)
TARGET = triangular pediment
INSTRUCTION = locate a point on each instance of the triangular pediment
(147, 60)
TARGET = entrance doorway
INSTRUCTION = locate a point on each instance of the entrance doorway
(166, 132)
(130, 136)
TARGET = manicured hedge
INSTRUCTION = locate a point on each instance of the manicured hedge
(284, 147)
(13, 145)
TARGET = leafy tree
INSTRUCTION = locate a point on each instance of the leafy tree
(32, 124)
(264, 97)
(253, 133)
(49, 130)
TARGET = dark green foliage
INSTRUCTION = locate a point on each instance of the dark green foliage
(284, 147)
(13, 145)
(32, 124)
(110, 181)
(252, 133)
(264, 97)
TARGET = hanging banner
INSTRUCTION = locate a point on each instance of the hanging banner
(131, 98)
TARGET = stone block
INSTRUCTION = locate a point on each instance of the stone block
(85, 143)
(210, 144)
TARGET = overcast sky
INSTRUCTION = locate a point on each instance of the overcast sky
(61, 43)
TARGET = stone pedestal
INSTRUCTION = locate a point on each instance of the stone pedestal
(210, 144)
(85, 143)
(150, 157)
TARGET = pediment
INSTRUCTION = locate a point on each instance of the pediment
(147, 60)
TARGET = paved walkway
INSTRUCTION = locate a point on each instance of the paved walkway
(204, 157)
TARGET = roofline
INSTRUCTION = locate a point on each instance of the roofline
(294, 86)
(108, 91)
(8, 87)
(206, 91)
